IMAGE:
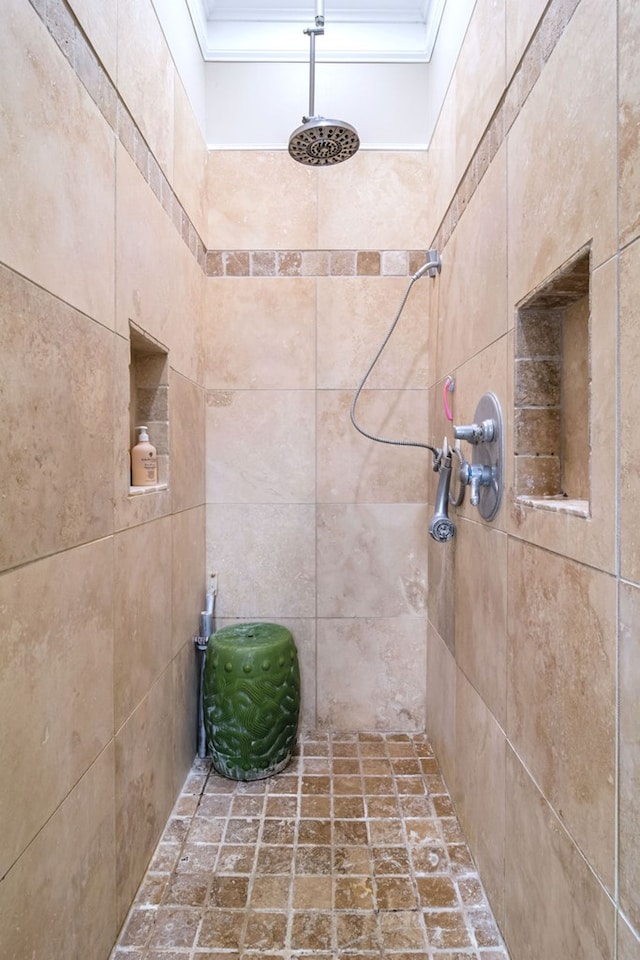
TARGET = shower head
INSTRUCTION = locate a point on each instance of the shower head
(320, 142)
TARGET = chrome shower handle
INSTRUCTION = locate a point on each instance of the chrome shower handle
(476, 475)
(482, 432)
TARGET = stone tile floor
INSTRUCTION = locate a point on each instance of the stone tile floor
(353, 851)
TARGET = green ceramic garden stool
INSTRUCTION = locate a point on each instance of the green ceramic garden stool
(251, 699)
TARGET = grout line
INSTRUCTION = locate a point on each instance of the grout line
(618, 535)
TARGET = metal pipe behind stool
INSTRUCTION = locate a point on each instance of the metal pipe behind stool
(201, 641)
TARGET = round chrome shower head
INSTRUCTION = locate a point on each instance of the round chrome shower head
(321, 143)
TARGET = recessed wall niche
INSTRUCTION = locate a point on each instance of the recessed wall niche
(149, 399)
(551, 395)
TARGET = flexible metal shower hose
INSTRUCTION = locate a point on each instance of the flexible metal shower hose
(352, 413)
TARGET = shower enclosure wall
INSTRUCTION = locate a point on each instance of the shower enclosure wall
(504, 643)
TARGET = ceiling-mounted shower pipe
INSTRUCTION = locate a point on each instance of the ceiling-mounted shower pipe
(320, 142)
(312, 33)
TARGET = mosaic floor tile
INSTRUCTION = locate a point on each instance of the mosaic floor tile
(353, 852)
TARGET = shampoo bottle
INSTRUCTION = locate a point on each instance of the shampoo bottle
(144, 461)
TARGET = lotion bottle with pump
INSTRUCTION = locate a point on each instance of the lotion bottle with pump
(144, 461)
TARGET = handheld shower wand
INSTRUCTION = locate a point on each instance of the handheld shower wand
(441, 527)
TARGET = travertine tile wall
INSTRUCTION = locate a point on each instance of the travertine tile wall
(310, 524)
(533, 686)
(99, 592)
(272, 286)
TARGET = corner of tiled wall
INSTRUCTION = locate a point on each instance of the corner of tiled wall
(104, 659)
(524, 695)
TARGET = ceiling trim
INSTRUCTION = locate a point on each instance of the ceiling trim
(351, 37)
(354, 11)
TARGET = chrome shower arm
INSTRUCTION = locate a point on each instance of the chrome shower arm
(312, 32)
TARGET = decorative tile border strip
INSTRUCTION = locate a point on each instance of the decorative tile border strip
(66, 30)
(313, 263)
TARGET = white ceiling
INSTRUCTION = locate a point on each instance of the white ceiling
(373, 31)
(248, 79)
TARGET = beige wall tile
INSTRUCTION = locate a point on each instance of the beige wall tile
(355, 315)
(472, 96)
(443, 169)
(629, 443)
(390, 213)
(56, 191)
(629, 813)
(144, 786)
(554, 905)
(55, 684)
(363, 682)
(261, 333)
(183, 714)
(189, 578)
(441, 705)
(186, 343)
(442, 589)
(186, 435)
(521, 22)
(55, 459)
(628, 119)
(481, 612)
(480, 78)
(100, 23)
(372, 560)
(304, 636)
(58, 900)
(561, 691)
(189, 161)
(303, 632)
(562, 162)
(260, 446)
(591, 540)
(265, 556)
(472, 288)
(143, 641)
(628, 941)
(146, 78)
(260, 200)
(352, 468)
(479, 792)
(159, 284)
